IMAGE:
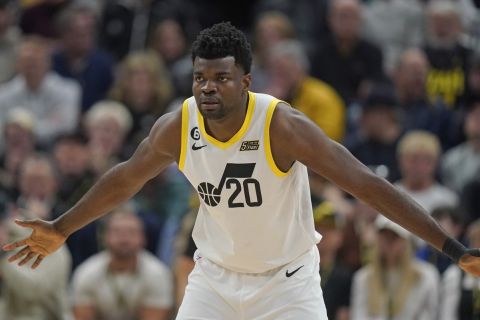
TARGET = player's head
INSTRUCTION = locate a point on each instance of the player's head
(222, 60)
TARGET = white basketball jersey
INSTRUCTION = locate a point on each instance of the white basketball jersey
(252, 217)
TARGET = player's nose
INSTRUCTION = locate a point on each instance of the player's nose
(209, 87)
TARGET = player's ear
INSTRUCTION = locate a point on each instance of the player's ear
(246, 81)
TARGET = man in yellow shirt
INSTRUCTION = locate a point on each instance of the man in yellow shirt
(289, 81)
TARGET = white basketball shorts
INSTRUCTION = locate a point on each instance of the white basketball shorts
(291, 292)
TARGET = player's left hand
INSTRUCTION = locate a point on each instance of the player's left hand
(470, 262)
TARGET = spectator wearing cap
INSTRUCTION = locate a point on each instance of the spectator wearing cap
(394, 285)
(289, 81)
(336, 279)
(459, 291)
(54, 101)
(461, 164)
(19, 143)
(418, 154)
(380, 129)
(9, 40)
(419, 113)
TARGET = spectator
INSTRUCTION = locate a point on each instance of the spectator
(447, 56)
(380, 128)
(418, 153)
(394, 26)
(143, 86)
(170, 42)
(79, 58)
(40, 293)
(451, 221)
(461, 164)
(271, 28)
(38, 185)
(124, 282)
(345, 60)
(459, 291)
(289, 81)
(309, 19)
(53, 100)
(9, 40)
(394, 285)
(107, 124)
(19, 144)
(419, 113)
(336, 279)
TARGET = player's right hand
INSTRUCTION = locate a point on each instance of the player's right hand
(43, 240)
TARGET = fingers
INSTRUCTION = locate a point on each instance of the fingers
(38, 261)
(19, 254)
(26, 223)
(14, 245)
(29, 257)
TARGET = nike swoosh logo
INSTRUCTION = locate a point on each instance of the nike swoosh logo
(289, 274)
(195, 147)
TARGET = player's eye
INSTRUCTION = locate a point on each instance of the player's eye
(222, 78)
(198, 78)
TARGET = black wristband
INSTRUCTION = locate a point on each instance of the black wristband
(454, 249)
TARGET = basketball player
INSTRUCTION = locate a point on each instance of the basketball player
(247, 155)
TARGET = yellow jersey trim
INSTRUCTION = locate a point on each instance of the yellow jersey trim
(268, 149)
(239, 134)
(183, 147)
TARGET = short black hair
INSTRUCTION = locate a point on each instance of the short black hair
(223, 40)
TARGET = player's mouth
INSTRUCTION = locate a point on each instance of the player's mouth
(209, 104)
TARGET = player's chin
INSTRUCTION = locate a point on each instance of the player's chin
(212, 114)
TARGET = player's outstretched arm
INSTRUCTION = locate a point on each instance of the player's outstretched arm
(296, 138)
(155, 153)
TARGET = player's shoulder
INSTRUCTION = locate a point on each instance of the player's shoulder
(169, 124)
(286, 119)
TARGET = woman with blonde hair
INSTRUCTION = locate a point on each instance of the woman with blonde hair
(143, 86)
(394, 285)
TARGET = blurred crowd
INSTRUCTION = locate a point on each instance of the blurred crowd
(397, 82)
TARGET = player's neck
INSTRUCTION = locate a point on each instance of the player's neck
(224, 129)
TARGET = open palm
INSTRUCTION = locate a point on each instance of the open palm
(44, 240)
